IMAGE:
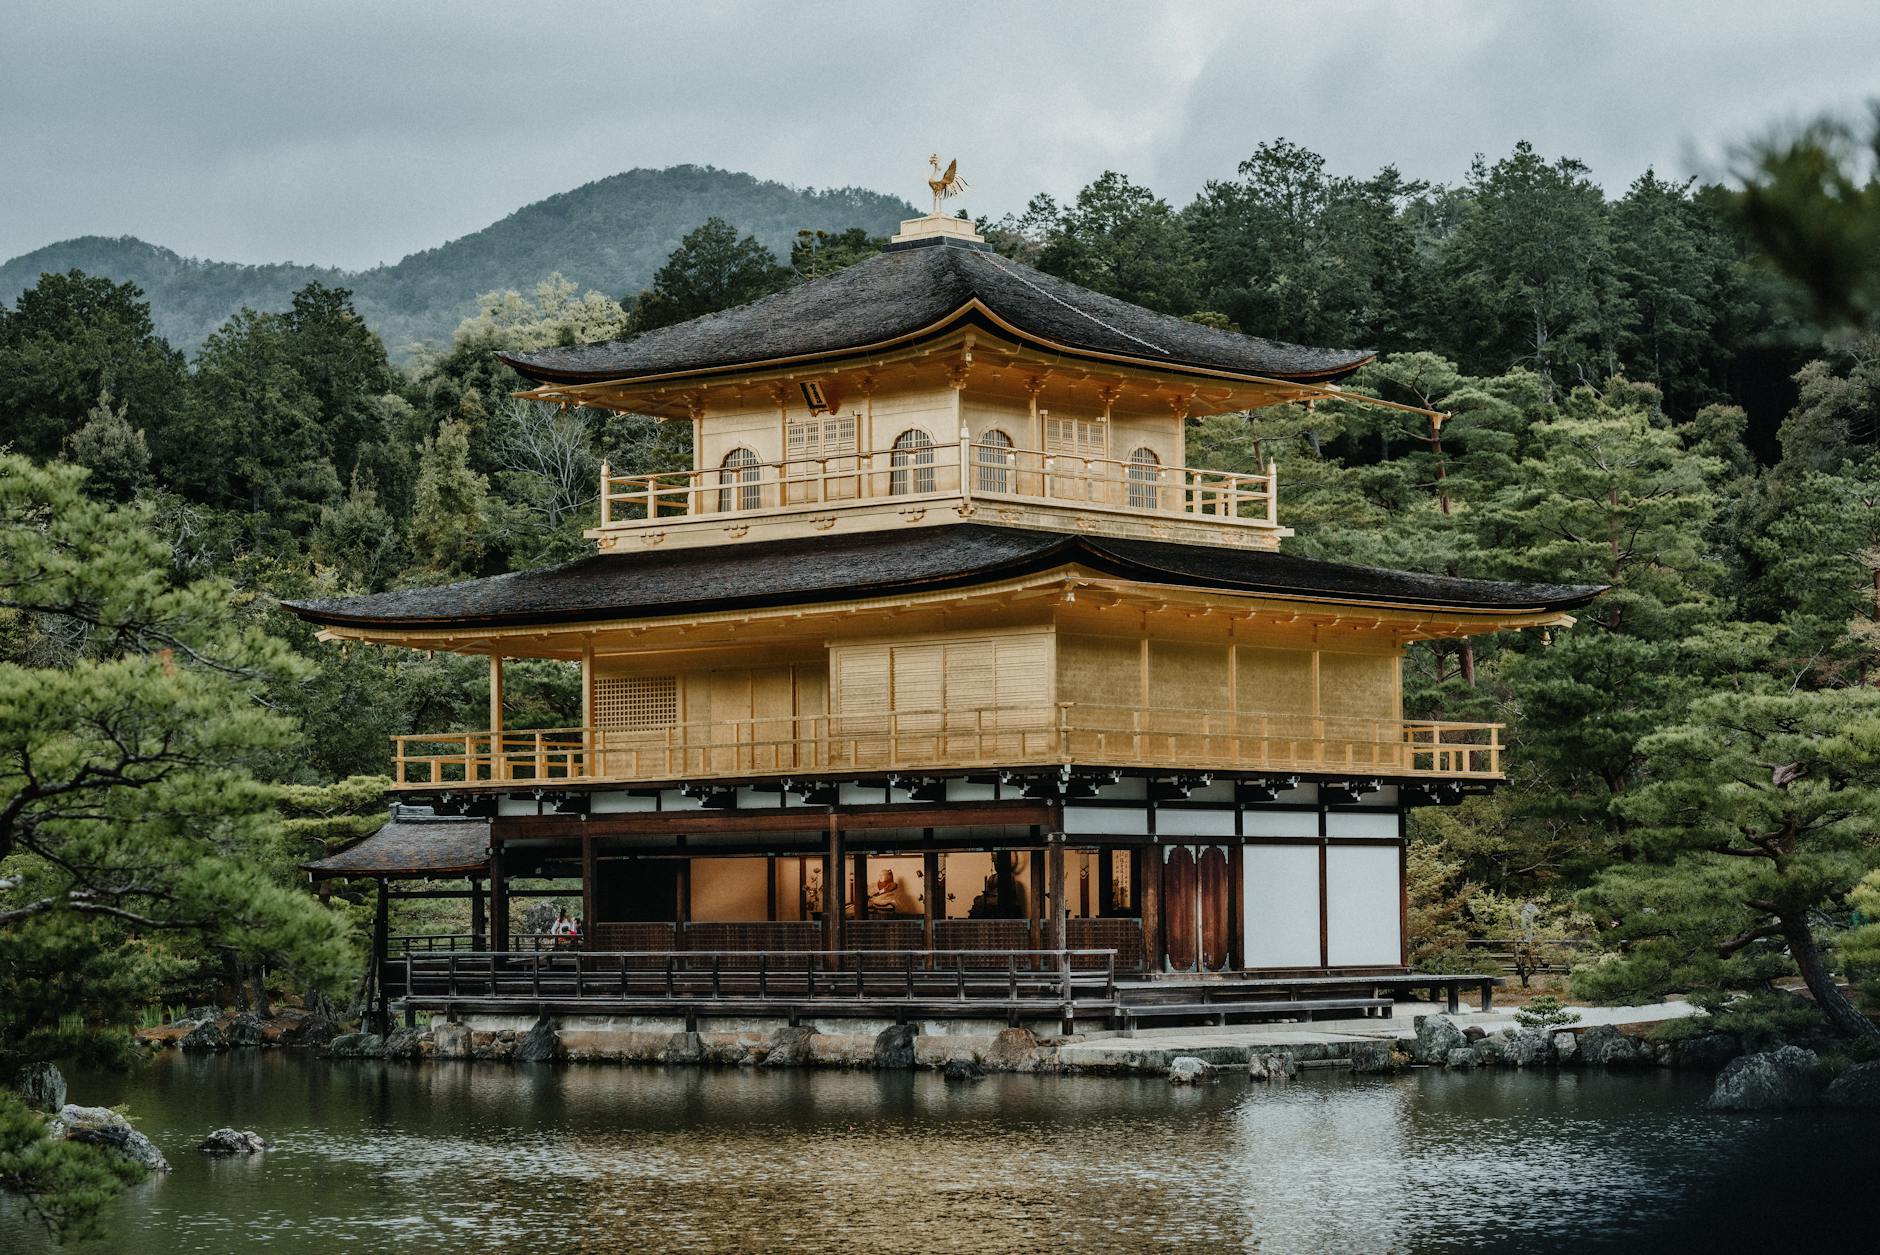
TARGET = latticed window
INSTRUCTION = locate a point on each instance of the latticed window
(829, 437)
(992, 462)
(1084, 437)
(636, 703)
(910, 463)
(739, 468)
(1145, 474)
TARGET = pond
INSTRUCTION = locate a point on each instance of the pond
(376, 1156)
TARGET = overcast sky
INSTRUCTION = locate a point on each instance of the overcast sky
(349, 133)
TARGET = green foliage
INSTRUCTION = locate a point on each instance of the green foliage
(70, 339)
(1759, 818)
(62, 1184)
(817, 254)
(113, 451)
(1120, 239)
(135, 829)
(1545, 1014)
(712, 269)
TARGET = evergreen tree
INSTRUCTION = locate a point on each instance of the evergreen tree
(712, 269)
(1759, 820)
(69, 339)
(111, 449)
(1121, 240)
(449, 532)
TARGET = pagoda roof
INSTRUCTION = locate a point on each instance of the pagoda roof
(928, 287)
(808, 571)
(413, 843)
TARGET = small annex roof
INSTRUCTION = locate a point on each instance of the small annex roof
(808, 571)
(413, 843)
(926, 287)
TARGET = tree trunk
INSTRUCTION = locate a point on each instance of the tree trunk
(261, 992)
(1466, 653)
(1833, 1003)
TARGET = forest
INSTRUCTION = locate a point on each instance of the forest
(1674, 392)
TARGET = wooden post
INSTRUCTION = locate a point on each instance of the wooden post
(479, 916)
(1106, 882)
(587, 891)
(770, 889)
(497, 771)
(833, 876)
(1037, 898)
(499, 898)
(589, 767)
(381, 948)
(935, 899)
(1060, 909)
(1236, 906)
(862, 888)
(1148, 880)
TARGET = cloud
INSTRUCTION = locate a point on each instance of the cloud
(350, 133)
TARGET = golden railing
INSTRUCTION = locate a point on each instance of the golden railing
(1011, 736)
(961, 470)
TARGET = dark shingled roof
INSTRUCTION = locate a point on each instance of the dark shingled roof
(877, 564)
(414, 844)
(905, 290)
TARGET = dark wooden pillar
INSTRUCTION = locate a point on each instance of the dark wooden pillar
(834, 874)
(682, 898)
(587, 891)
(1236, 907)
(861, 884)
(1106, 881)
(1060, 908)
(479, 916)
(934, 899)
(381, 948)
(499, 897)
(1037, 899)
(770, 889)
(1148, 880)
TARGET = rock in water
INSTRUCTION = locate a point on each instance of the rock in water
(541, 1044)
(1530, 1048)
(791, 1048)
(963, 1070)
(205, 1036)
(41, 1086)
(452, 1040)
(1605, 1046)
(243, 1030)
(1188, 1070)
(1461, 1057)
(1567, 1047)
(894, 1047)
(1013, 1050)
(402, 1043)
(1274, 1067)
(1859, 1086)
(1766, 1082)
(101, 1126)
(354, 1046)
(1437, 1035)
(233, 1142)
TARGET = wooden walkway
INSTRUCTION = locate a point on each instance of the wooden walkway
(1015, 986)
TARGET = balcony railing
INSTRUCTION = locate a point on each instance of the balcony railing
(946, 739)
(962, 471)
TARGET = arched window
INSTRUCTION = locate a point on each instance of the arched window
(1145, 474)
(992, 460)
(910, 463)
(740, 469)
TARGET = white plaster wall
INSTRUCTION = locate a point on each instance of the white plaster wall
(1362, 907)
(1195, 823)
(1360, 824)
(1281, 901)
(1263, 823)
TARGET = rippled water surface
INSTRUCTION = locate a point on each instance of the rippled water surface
(461, 1157)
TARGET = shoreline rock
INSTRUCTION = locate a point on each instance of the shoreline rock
(234, 1142)
(40, 1086)
(101, 1126)
(1774, 1080)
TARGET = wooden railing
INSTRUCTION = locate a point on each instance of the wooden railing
(1002, 977)
(941, 739)
(960, 470)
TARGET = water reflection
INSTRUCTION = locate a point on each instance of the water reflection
(489, 1158)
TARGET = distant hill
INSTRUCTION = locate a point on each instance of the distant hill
(610, 235)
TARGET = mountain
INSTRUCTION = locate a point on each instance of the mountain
(610, 235)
